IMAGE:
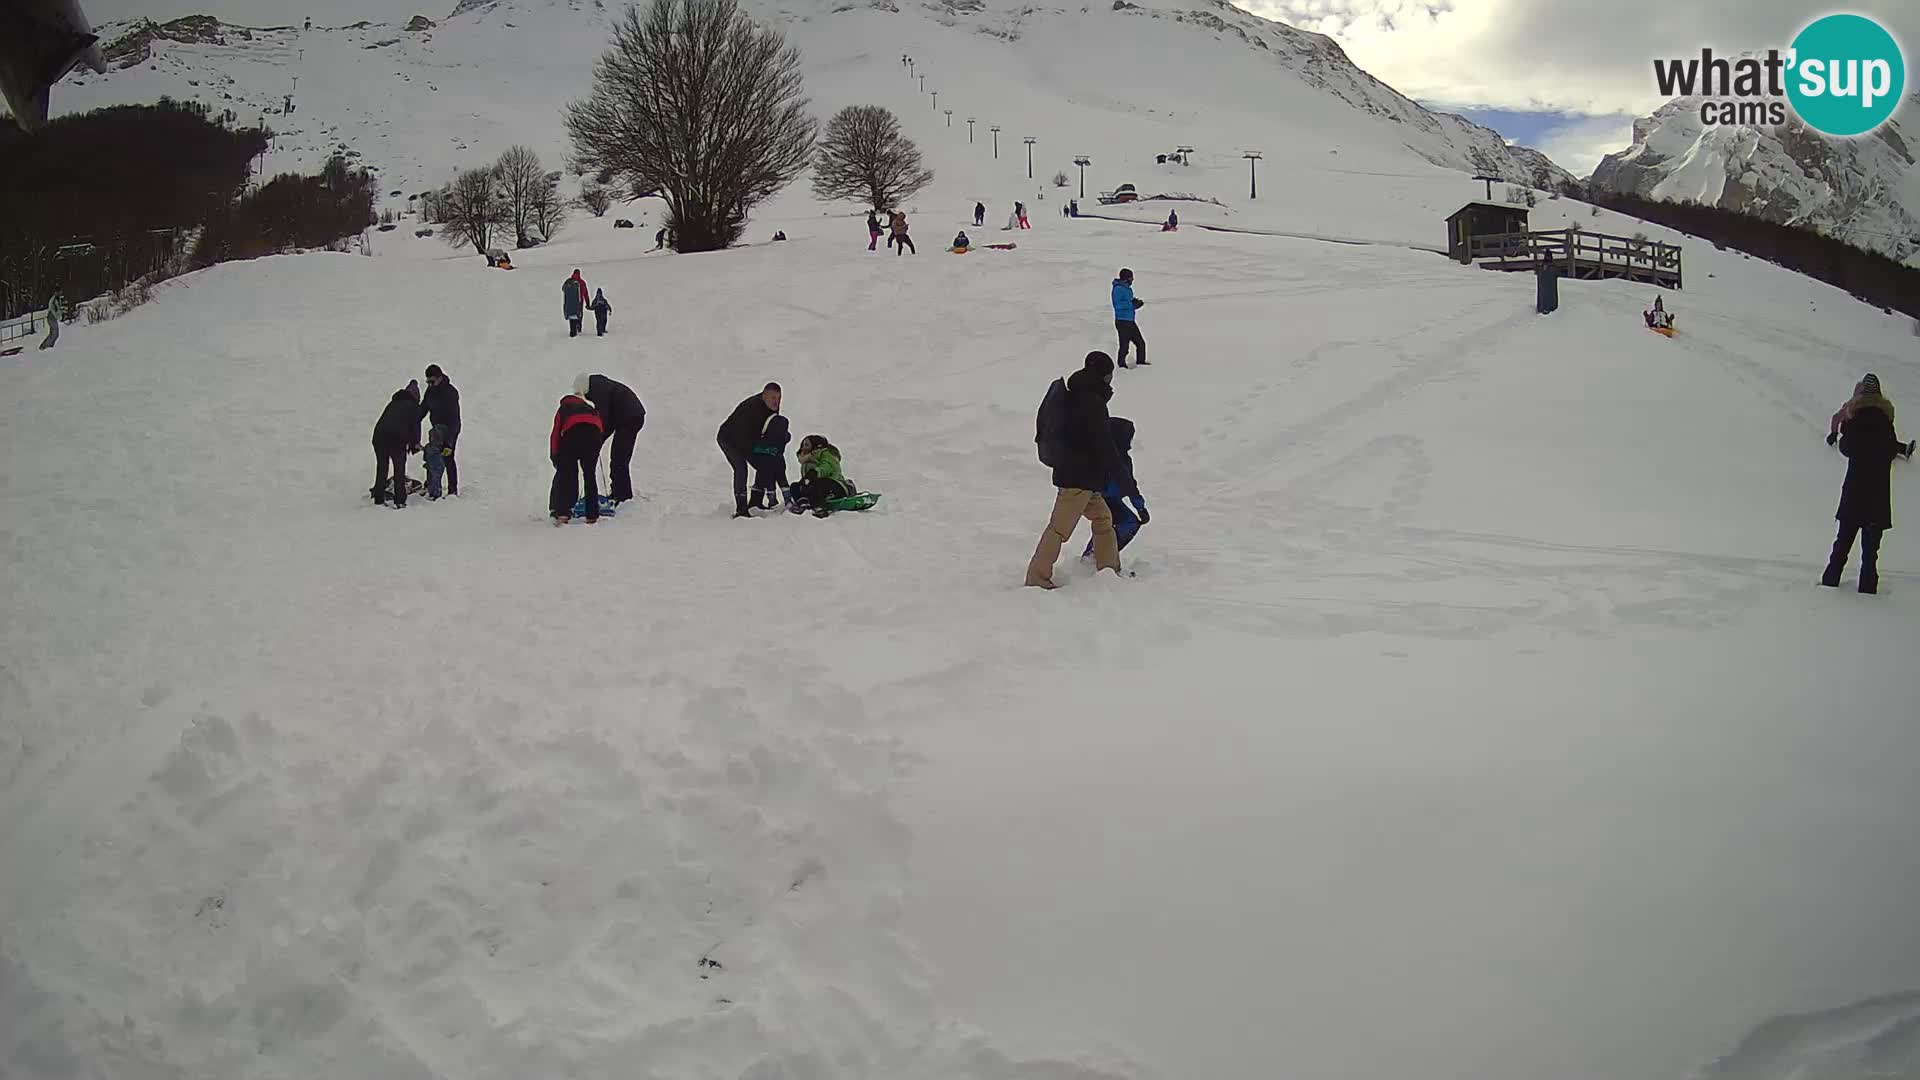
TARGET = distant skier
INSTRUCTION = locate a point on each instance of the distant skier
(737, 434)
(874, 231)
(979, 215)
(1905, 449)
(1866, 500)
(395, 435)
(1075, 440)
(1124, 319)
(574, 447)
(769, 461)
(902, 243)
(573, 302)
(601, 309)
(1121, 487)
(621, 418)
(441, 406)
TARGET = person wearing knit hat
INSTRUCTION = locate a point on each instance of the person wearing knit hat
(1866, 499)
(1075, 438)
(622, 416)
(1867, 392)
(574, 446)
(440, 405)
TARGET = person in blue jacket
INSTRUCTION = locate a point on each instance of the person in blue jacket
(1124, 306)
(1121, 486)
(573, 302)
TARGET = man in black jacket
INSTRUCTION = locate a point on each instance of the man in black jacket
(1866, 496)
(395, 434)
(1082, 461)
(737, 435)
(624, 416)
(441, 405)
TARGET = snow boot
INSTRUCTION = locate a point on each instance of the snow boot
(740, 507)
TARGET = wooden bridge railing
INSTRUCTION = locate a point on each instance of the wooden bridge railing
(1581, 254)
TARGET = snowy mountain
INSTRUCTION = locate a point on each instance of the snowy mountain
(1864, 190)
(441, 86)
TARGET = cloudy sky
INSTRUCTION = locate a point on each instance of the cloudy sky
(1566, 76)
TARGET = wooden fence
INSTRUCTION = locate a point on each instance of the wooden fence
(32, 324)
(1580, 254)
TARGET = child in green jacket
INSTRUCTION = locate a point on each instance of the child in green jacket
(821, 477)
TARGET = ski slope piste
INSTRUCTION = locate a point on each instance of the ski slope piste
(1475, 710)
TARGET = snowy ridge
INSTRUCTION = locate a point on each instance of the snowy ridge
(1863, 190)
(411, 102)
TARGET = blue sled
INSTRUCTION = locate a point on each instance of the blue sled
(607, 507)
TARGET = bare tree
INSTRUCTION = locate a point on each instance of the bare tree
(1061, 179)
(863, 156)
(547, 210)
(521, 178)
(597, 199)
(471, 209)
(696, 102)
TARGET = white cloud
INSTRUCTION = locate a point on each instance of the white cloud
(1557, 55)
(1579, 145)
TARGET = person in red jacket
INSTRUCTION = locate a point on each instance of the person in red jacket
(575, 449)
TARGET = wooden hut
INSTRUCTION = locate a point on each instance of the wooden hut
(1481, 218)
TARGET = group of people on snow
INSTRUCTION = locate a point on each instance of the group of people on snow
(1090, 453)
(599, 411)
(397, 434)
(574, 305)
(896, 230)
(754, 438)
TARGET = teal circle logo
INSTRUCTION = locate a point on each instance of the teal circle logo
(1847, 75)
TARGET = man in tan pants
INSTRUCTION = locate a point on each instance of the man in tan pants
(1074, 439)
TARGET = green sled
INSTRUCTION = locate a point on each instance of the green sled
(862, 501)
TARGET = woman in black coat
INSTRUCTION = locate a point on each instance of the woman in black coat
(1866, 498)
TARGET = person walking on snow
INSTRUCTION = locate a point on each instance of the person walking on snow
(979, 215)
(573, 302)
(1124, 321)
(737, 434)
(1121, 486)
(601, 309)
(660, 238)
(1905, 449)
(1076, 441)
(621, 418)
(873, 231)
(395, 435)
(440, 405)
(1173, 221)
(1020, 211)
(902, 243)
(1866, 499)
(574, 447)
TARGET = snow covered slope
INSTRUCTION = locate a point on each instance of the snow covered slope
(417, 104)
(1474, 682)
(1864, 190)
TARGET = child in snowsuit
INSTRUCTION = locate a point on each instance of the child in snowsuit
(1845, 413)
(873, 232)
(395, 435)
(1122, 486)
(1020, 211)
(574, 447)
(961, 243)
(820, 477)
(769, 461)
(1866, 498)
(601, 309)
(1657, 316)
(435, 458)
(902, 243)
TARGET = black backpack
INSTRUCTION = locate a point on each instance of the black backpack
(1052, 425)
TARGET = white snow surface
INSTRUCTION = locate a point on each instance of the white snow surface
(1474, 712)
